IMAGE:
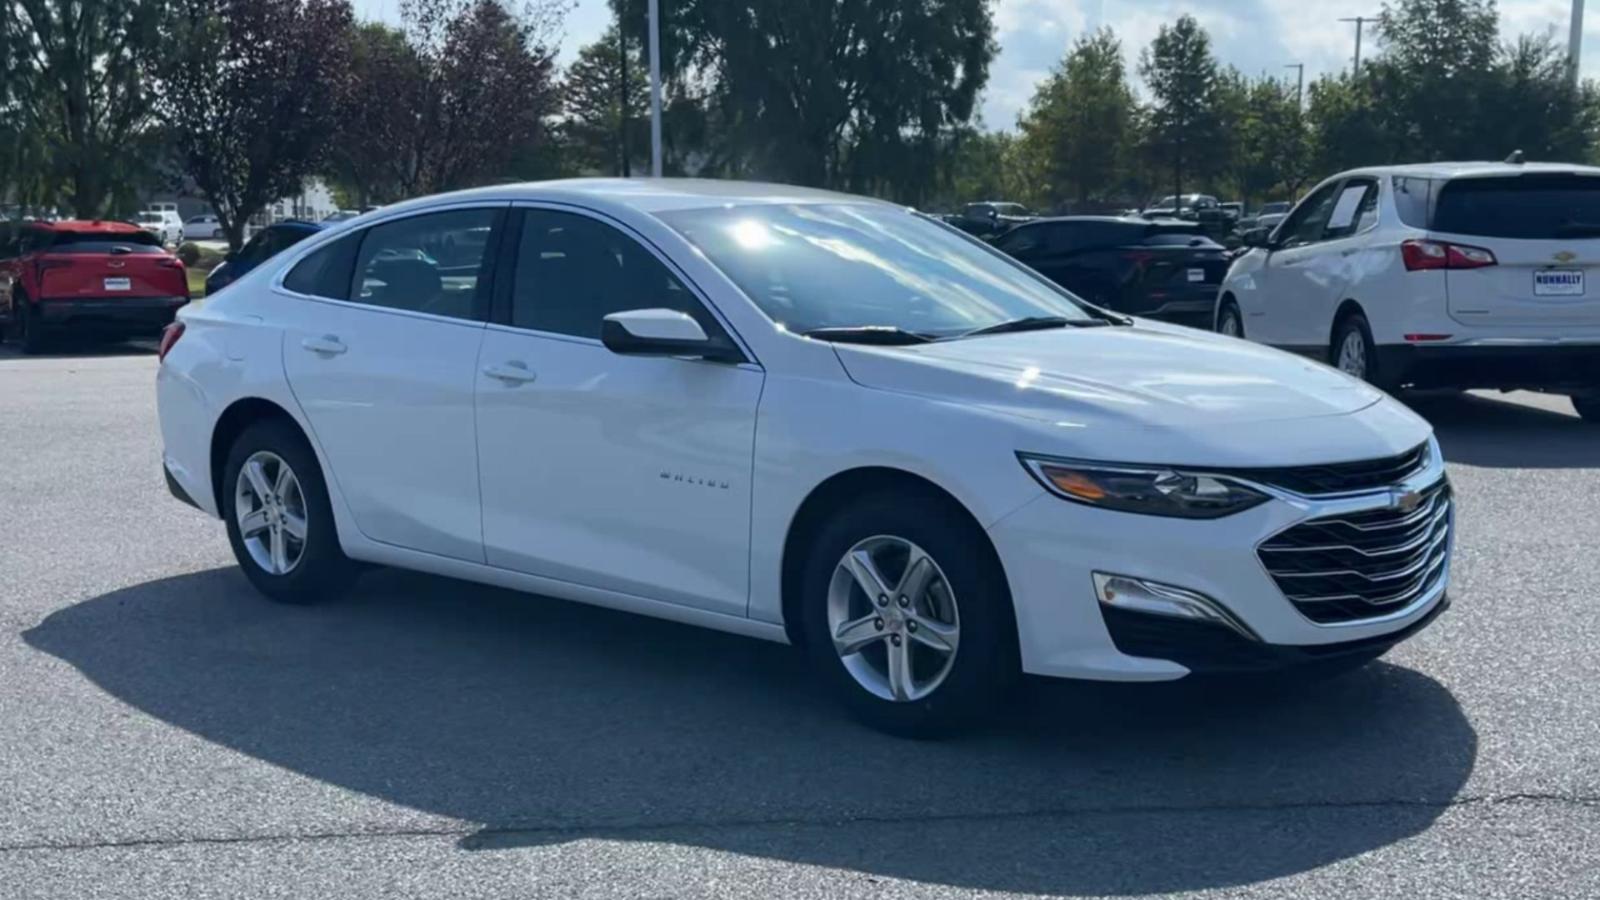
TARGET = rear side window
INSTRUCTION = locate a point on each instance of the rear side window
(1354, 211)
(1021, 241)
(1526, 207)
(99, 242)
(1092, 236)
(429, 263)
(326, 272)
(1412, 198)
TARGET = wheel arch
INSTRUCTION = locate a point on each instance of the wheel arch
(241, 414)
(1347, 308)
(833, 493)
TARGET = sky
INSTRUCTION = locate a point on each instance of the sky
(1257, 36)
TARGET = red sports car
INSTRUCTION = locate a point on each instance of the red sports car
(93, 278)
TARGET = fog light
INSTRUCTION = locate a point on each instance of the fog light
(1155, 598)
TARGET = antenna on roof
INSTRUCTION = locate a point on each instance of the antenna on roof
(1515, 158)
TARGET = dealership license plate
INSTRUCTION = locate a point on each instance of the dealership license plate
(118, 284)
(1558, 283)
(1197, 274)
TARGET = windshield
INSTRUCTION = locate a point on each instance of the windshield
(149, 217)
(851, 265)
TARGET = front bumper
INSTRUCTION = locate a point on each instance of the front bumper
(130, 315)
(1569, 368)
(1051, 549)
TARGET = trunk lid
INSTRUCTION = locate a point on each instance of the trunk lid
(1544, 231)
(104, 266)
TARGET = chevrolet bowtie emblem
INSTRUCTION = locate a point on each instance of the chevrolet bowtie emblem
(1565, 256)
(1405, 501)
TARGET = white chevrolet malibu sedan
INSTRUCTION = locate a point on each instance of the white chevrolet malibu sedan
(805, 417)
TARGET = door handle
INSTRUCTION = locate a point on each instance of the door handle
(327, 345)
(512, 373)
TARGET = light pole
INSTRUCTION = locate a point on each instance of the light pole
(1362, 20)
(1299, 83)
(1575, 39)
(655, 88)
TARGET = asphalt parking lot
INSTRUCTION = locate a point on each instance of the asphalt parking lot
(164, 732)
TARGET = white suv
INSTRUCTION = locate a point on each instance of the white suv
(1468, 275)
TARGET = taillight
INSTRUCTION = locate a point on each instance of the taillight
(1424, 255)
(169, 337)
(1138, 257)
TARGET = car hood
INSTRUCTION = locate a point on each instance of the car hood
(1147, 376)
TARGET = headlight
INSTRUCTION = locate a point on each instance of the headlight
(1151, 490)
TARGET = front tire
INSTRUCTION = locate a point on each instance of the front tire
(906, 616)
(279, 520)
(1229, 322)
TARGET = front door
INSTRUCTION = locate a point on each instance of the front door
(627, 473)
(1293, 269)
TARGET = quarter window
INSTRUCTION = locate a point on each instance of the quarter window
(573, 271)
(326, 272)
(430, 263)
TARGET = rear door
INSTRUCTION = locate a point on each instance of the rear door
(1292, 270)
(109, 266)
(381, 352)
(1544, 231)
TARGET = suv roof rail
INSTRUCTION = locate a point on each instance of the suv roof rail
(1515, 158)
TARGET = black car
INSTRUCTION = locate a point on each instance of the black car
(1161, 268)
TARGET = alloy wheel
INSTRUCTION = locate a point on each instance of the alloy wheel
(893, 618)
(1353, 354)
(1230, 324)
(270, 509)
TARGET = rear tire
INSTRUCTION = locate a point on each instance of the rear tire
(962, 603)
(30, 333)
(307, 568)
(1587, 406)
(1353, 352)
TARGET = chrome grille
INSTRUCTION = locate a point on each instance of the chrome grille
(1361, 565)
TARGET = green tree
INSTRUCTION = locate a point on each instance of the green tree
(251, 91)
(607, 105)
(76, 79)
(1537, 109)
(363, 164)
(1271, 147)
(1185, 129)
(1078, 128)
(1434, 74)
(861, 94)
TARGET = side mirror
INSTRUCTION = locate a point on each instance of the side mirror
(1260, 236)
(663, 332)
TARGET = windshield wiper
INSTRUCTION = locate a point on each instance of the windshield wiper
(1032, 323)
(885, 335)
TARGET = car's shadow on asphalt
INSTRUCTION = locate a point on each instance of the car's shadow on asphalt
(1483, 431)
(545, 722)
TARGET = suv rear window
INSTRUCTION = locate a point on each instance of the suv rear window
(99, 242)
(1527, 207)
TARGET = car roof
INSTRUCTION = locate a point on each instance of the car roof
(1121, 220)
(298, 223)
(1471, 169)
(85, 225)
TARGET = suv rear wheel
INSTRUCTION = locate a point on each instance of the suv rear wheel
(1352, 351)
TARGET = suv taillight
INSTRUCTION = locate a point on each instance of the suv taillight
(169, 337)
(1423, 255)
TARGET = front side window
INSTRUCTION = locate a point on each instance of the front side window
(847, 265)
(429, 263)
(573, 271)
(1304, 225)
